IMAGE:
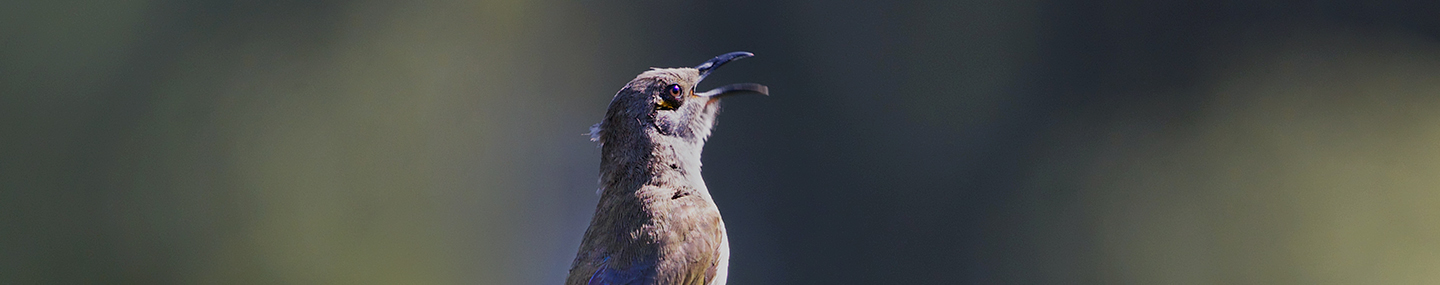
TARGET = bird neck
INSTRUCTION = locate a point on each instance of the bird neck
(661, 161)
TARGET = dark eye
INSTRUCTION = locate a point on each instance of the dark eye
(674, 90)
(671, 100)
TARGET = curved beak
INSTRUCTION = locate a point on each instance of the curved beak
(712, 64)
(736, 88)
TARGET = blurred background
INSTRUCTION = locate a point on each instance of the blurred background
(944, 142)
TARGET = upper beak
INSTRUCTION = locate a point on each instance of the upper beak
(712, 64)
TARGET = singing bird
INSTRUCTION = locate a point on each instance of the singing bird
(656, 223)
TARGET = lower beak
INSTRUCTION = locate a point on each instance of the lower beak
(732, 89)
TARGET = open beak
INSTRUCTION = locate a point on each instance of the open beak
(737, 88)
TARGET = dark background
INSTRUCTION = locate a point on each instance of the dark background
(945, 142)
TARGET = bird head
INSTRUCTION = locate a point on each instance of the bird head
(662, 105)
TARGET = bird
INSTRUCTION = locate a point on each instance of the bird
(656, 223)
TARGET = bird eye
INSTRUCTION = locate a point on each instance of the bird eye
(671, 101)
(674, 90)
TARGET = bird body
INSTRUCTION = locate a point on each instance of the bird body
(656, 222)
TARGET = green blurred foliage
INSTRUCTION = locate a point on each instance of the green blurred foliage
(274, 142)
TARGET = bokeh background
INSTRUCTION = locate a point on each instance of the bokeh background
(925, 142)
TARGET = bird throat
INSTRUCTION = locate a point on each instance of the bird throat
(664, 161)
